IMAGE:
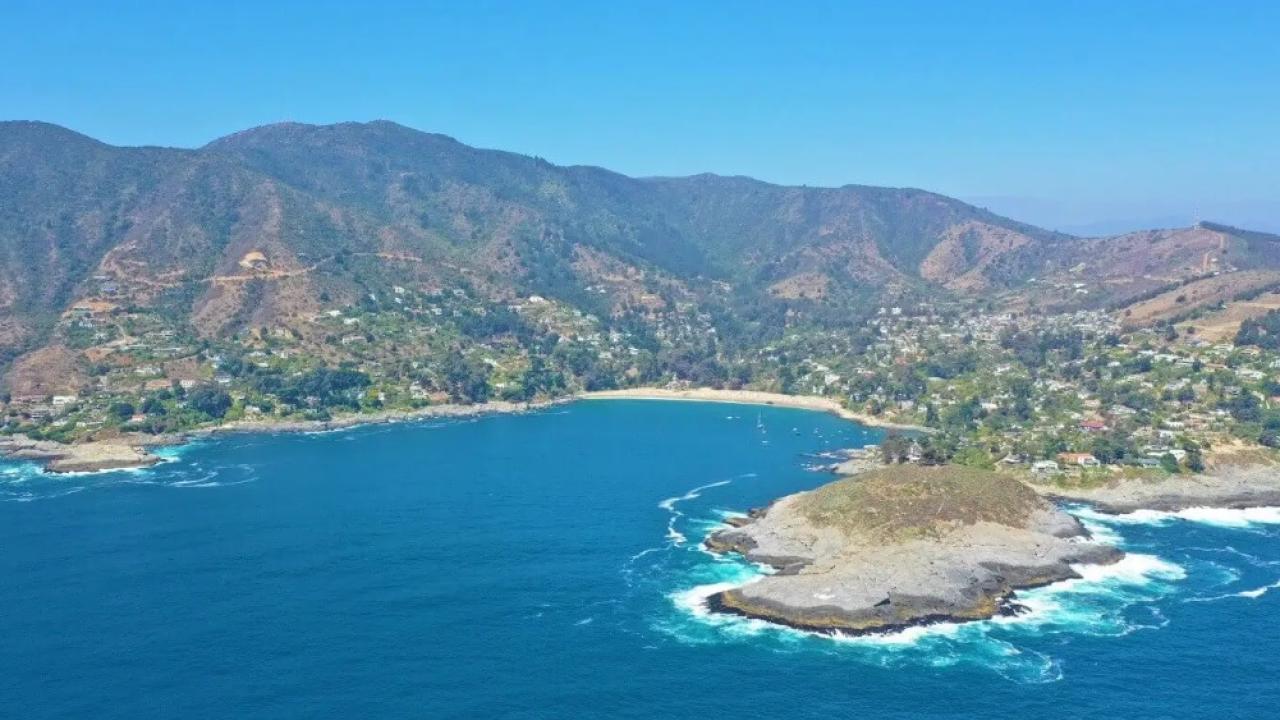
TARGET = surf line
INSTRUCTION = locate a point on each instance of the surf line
(675, 536)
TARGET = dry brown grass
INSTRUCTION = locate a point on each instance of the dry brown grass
(1195, 294)
(905, 501)
(1237, 453)
(51, 370)
(1225, 323)
(808, 285)
(965, 251)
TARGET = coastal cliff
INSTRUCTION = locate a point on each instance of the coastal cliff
(902, 546)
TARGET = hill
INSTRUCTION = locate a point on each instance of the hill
(110, 254)
(170, 227)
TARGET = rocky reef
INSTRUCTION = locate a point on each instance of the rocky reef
(902, 546)
(113, 454)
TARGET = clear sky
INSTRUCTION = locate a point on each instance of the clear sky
(1084, 113)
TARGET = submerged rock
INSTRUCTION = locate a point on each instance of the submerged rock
(903, 546)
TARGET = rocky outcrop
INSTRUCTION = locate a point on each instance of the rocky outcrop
(115, 454)
(1231, 486)
(900, 547)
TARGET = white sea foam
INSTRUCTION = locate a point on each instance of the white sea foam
(1229, 550)
(18, 473)
(1259, 592)
(694, 600)
(1098, 529)
(1226, 574)
(207, 483)
(646, 551)
(25, 497)
(1221, 517)
(674, 535)
(670, 503)
(1133, 569)
(174, 453)
(1092, 604)
(1253, 594)
(905, 637)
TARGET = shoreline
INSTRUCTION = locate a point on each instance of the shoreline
(1232, 487)
(1229, 487)
(130, 451)
(845, 574)
(122, 453)
(753, 397)
(345, 422)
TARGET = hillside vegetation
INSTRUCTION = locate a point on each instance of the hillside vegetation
(904, 501)
(443, 272)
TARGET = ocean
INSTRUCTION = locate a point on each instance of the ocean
(547, 565)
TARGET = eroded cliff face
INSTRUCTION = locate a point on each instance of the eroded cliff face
(903, 546)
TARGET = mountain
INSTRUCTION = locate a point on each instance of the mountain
(266, 227)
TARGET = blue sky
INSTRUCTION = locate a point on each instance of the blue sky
(1084, 114)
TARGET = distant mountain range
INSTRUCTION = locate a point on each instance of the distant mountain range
(259, 227)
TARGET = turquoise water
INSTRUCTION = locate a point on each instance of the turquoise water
(547, 565)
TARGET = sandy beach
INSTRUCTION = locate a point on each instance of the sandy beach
(752, 397)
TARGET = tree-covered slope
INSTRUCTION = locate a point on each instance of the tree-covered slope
(271, 224)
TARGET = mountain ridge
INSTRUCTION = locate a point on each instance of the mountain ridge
(256, 228)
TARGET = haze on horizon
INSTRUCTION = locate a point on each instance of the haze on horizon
(1094, 118)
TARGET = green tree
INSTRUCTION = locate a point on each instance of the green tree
(894, 449)
(210, 400)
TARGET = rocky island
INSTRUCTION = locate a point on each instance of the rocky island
(116, 453)
(902, 546)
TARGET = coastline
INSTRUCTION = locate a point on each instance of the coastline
(121, 453)
(1228, 487)
(752, 397)
(1232, 487)
(342, 422)
(899, 561)
(130, 451)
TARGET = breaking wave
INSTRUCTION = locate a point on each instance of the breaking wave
(1221, 517)
(1106, 601)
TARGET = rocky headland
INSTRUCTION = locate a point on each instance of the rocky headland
(1228, 486)
(117, 453)
(902, 546)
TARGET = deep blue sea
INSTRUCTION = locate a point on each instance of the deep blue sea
(547, 566)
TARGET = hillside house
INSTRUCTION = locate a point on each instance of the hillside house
(1041, 468)
(1084, 460)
